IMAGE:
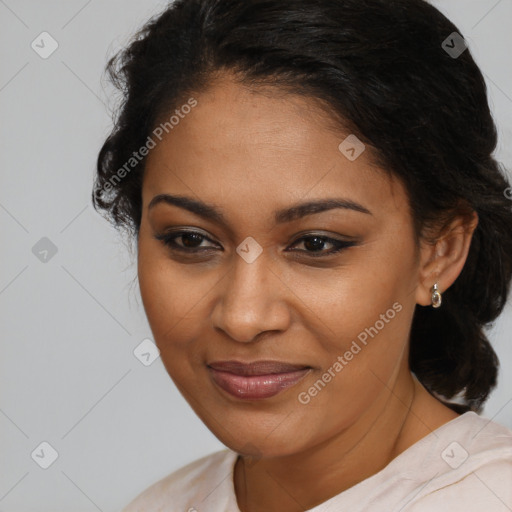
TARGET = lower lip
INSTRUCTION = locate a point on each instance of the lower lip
(256, 387)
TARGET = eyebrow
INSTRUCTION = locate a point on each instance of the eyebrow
(294, 212)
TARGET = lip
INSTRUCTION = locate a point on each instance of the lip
(256, 380)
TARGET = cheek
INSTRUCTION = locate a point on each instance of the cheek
(174, 297)
(360, 368)
(355, 301)
(161, 289)
(364, 318)
(165, 307)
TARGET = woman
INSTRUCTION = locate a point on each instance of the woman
(322, 235)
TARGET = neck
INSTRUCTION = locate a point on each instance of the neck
(401, 416)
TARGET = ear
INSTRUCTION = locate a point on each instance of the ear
(442, 262)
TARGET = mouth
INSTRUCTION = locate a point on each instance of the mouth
(257, 380)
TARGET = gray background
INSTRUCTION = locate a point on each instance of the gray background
(70, 324)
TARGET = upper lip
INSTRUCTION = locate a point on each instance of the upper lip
(256, 367)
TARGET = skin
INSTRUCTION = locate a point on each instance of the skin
(251, 152)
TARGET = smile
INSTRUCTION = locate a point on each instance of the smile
(258, 380)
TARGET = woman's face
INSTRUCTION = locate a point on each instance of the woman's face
(247, 286)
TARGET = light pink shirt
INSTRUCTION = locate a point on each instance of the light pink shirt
(465, 465)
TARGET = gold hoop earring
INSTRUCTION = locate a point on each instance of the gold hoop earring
(436, 296)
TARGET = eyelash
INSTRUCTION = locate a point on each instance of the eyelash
(168, 239)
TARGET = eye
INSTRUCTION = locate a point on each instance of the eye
(315, 243)
(190, 242)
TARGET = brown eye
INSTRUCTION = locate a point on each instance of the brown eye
(315, 243)
(190, 241)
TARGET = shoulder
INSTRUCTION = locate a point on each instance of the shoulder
(477, 471)
(190, 485)
(489, 488)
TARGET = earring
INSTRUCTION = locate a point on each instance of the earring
(436, 296)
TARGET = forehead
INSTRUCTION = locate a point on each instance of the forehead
(260, 146)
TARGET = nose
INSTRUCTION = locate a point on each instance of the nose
(251, 300)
